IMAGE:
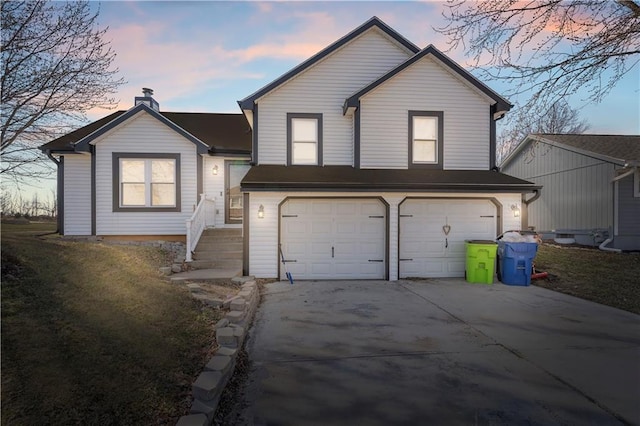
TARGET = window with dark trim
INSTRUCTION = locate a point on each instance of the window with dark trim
(425, 139)
(146, 182)
(304, 139)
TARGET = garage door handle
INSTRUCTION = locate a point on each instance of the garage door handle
(406, 260)
(488, 216)
(406, 215)
(289, 215)
(332, 252)
(375, 260)
(376, 217)
(289, 261)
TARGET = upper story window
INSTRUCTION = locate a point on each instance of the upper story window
(146, 182)
(304, 139)
(425, 138)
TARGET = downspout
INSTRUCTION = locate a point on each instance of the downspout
(59, 211)
(525, 212)
(610, 239)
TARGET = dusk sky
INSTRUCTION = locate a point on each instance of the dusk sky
(204, 56)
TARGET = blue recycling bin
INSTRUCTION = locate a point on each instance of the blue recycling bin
(516, 262)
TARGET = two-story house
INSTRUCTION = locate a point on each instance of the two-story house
(374, 159)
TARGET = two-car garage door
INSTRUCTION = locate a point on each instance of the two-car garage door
(334, 238)
(346, 238)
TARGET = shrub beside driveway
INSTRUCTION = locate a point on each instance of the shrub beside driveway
(92, 335)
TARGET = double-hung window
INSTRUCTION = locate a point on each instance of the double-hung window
(146, 182)
(425, 138)
(304, 139)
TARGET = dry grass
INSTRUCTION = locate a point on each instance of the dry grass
(612, 279)
(92, 335)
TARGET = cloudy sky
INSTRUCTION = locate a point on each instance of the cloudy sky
(203, 56)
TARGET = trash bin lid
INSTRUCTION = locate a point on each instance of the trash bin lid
(481, 242)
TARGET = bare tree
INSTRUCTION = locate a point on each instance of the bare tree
(558, 118)
(548, 48)
(56, 66)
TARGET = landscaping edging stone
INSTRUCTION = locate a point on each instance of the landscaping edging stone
(231, 332)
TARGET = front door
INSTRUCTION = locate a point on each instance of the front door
(234, 172)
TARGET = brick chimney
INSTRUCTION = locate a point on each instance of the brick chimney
(147, 99)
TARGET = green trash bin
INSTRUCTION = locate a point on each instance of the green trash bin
(481, 260)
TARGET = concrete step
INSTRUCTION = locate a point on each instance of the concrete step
(216, 264)
(217, 255)
(223, 232)
(211, 239)
(219, 246)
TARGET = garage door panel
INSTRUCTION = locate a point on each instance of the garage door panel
(422, 237)
(340, 224)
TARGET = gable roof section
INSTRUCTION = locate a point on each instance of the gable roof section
(220, 133)
(501, 103)
(248, 102)
(347, 178)
(83, 144)
(618, 149)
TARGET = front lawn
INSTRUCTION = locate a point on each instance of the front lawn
(609, 278)
(91, 334)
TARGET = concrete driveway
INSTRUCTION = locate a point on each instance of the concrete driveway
(439, 352)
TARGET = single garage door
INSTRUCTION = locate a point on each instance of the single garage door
(433, 232)
(334, 238)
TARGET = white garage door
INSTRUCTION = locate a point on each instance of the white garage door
(433, 232)
(333, 238)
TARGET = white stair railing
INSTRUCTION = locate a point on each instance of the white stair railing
(196, 224)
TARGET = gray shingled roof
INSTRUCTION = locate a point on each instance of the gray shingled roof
(221, 132)
(347, 178)
(622, 147)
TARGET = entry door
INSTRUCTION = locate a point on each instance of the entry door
(234, 172)
(433, 234)
(334, 238)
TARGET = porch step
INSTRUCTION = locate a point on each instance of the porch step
(214, 239)
(223, 232)
(217, 264)
(217, 254)
(219, 248)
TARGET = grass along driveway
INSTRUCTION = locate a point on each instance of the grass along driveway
(92, 335)
(608, 278)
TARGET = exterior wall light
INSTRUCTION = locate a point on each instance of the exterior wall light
(261, 212)
(215, 170)
(516, 210)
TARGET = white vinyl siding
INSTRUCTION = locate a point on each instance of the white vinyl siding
(77, 195)
(143, 134)
(323, 89)
(263, 233)
(213, 187)
(424, 86)
(576, 189)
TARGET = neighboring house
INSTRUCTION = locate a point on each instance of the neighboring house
(591, 186)
(141, 173)
(373, 159)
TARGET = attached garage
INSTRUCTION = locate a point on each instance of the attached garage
(334, 238)
(432, 233)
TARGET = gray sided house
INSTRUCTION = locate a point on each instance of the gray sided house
(591, 186)
(373, 159)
